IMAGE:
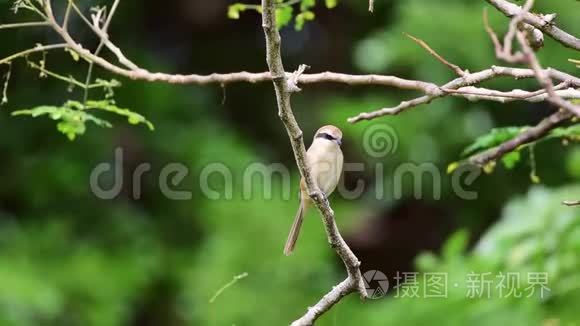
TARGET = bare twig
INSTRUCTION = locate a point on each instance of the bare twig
(544, 79)
(544, 23)
(38, 48)
(503, 52)
(99, 47)
(529, 56)
(528, 136)
(571, 202)
(66, 16)
(470, 79)
(354, 281)
(95, 28)
(426, 46)
(477, 93)
(21, 25)
(234, 280)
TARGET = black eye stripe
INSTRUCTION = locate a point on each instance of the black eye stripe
(325, 136)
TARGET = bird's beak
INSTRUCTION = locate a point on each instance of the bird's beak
(339, 142)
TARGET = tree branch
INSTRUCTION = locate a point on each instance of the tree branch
(544, 23)
(38, 48)
(426, 46)
(527, 55)
(354, 281)
(21, 25)
(528, 136)
(467, 80)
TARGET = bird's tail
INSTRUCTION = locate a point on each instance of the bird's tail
(295, 230)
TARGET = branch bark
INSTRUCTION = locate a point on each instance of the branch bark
(544, 23)
(466, 80)
(528, 136)
(354, 281)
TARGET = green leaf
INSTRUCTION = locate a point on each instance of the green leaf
(133, 117)
(571, 133)
(573, 163)
(73, 54)
(235, 9)
(283, 16)
(301, 19)
(511, 159)
(71, 119)
(73, 115)
(452, 167)
(494, 138)
(330, 3)
(307, 4)
(455, 245)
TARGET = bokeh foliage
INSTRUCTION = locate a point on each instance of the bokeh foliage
(70, 258)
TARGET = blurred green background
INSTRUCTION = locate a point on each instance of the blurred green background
(70, 258)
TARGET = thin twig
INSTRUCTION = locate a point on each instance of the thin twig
(426, 46)
(99, 48)
(39, 48)
(102, 35)
(470, 79)
(478, 93)
(66, 16)
(571, 202)
(23, 25)
(68, 79)
(227, 285)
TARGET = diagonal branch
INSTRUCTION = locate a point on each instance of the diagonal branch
(426, 46)
(528, 136)
(354, 282)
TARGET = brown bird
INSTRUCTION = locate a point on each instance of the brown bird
(324, 158)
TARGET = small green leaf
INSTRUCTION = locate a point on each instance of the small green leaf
(73, 54)
(455, 245)
(301, 19)
(492, 139)
(283, 16)
(570, 133)
(71, 120)
(330, 3)
(307, 4)
(235, 10)
(452, 167)
(511, 159)
(489, 167)
(132, 117)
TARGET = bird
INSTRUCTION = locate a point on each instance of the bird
(324, 159)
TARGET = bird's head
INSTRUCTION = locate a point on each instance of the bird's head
(330, 133)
